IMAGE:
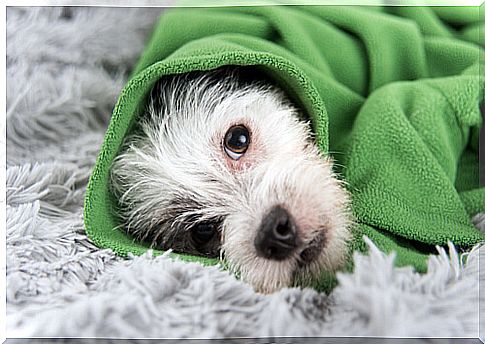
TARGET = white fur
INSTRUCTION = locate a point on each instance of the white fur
(179, 155)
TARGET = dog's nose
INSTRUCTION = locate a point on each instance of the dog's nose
(277, 236)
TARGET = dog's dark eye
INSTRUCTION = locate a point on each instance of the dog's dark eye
(236, 141)
(202, 233)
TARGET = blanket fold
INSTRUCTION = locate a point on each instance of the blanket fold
(392, 93)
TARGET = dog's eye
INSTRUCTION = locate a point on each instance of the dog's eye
(236, 141)
(202, 233)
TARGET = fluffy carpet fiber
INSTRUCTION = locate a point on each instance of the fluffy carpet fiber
(65, 68)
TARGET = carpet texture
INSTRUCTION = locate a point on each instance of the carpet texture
(65, 68)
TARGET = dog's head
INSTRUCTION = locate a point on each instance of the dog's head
(222, 167)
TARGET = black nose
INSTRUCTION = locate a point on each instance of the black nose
(277, 237)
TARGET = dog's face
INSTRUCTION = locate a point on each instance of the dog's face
(218, 167)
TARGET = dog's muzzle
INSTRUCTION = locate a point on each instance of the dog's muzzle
(277, 236)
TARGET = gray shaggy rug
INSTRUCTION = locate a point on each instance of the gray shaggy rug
(65, 67)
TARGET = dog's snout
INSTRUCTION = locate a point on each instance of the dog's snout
(277, 235)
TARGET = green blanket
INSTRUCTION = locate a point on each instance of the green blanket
(392, 92)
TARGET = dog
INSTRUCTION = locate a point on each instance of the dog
(223, 164)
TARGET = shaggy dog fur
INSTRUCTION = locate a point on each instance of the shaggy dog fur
(275, 211)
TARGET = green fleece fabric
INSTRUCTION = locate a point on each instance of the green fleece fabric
(393, 94)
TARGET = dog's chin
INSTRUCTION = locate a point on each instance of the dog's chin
(320, 256)
(311, 251)
(322, 253)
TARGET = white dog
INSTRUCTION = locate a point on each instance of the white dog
(221, 165)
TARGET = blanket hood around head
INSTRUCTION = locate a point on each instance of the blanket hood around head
(395, 91)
